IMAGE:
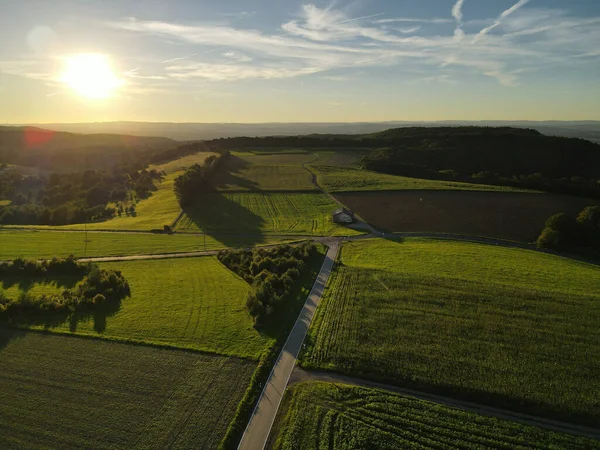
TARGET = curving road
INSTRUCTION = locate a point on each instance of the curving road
(259, 427)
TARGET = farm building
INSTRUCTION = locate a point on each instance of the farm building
(343, 215)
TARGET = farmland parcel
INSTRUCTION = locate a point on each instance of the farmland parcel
(317, 415)
(66, 392)
(514, 328)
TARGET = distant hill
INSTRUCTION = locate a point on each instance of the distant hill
(62, 151)
(204, 131)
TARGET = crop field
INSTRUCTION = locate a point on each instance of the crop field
(12, 287)
(179, 164)
(340, 179)
(66, 392)
(263, 213)
(514, 328)
(47, 244)
(515, 216)
(316, 415)
(270, 172)
(341, 158)
(193, 303)
(275, 157)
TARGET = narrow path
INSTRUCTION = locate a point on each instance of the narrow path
(259, 427)
(300, 375)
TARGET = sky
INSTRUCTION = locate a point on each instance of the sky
(298, 61)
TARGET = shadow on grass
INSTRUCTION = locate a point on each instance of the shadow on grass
(26, 283)
(226, 221)
(228, 176)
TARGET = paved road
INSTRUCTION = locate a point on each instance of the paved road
(300, 375)
(258, 429)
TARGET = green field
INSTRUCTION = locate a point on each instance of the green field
(183, 163)
(65, 392)
(264, 172)
(341, 158)
(12, 287)
(47, 244)
(340, 179)
(510, 327)
(193, 303)
(263, 213)
(317, 415)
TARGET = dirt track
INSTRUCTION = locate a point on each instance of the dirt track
(505, 215)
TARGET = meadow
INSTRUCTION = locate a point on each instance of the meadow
(192, 303)
(341, 179)
(66, 392)
(316, 415)
(515, 216)
(47, 244)
(263, 213)
(509, 327)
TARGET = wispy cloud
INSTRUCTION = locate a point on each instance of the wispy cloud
(320, 40)
(457, 13)
(502, 16)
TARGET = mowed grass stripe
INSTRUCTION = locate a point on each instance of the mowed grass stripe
(66, 392)
(348, 179)
(317, 415)
(508, 327)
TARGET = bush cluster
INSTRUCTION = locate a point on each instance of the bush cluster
(271, 272)
(97, 288)
(563, 231)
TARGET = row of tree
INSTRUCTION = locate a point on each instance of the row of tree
(271, 272)
(196, 179)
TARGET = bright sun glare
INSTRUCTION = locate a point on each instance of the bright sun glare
(90, 75)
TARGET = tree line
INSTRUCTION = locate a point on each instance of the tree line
(271, 272)
(78, 197)
(196, 179)
(98, 288)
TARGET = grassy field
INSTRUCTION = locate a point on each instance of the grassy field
(47, 244)
(264, 172)
(263, 213)
(514, 216)
(340, 179)
(193, 303)
(317, 415)
(182, 163)
(510, 327)
(65, 392)
(12, 287)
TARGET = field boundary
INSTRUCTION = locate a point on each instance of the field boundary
(123, 341)
(301, 375)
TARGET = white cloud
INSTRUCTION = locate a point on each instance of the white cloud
(457, 13)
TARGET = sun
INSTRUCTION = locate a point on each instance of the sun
(90, 75)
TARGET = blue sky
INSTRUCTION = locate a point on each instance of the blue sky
(267, 61)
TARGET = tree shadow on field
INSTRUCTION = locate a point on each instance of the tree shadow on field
(229, 177)
(25, 283)
(226, 220)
